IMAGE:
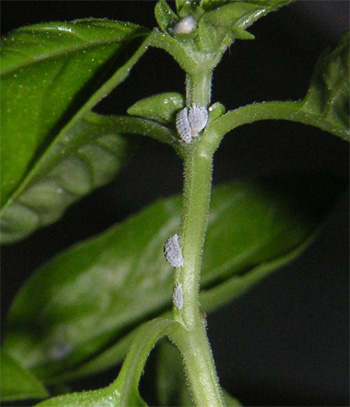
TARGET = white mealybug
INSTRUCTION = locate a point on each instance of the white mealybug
(189, 122)
(198, 117)
(183, 126)
(172, 252)
(185, 26)
(178, 297)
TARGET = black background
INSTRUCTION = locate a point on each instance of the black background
(285, 343)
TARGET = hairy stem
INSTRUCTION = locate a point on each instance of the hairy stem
(198, 88)
(291, 111)
(192, 339)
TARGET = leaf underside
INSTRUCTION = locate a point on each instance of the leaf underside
(52, 74)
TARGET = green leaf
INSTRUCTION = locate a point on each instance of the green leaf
(161, 108)
(329, 93)
(165, 16)
(87, 156)
(219, 27)
(124, 391)
(91, 296)
(18, 383)
(52, 74)
(171, 381)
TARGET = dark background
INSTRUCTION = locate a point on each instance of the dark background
(285, 343)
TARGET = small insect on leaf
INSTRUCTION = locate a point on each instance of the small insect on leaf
(172, 252)
(178, 297)
(189, 122)
(185, 26)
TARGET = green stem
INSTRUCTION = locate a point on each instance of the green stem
(196, 198)
(199, 366)
(291, 111)
(198, 88)
(192, 339)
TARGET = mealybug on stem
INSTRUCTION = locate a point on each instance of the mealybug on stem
(198, 118)
(178, 298)
(172, 252)
(183, 126)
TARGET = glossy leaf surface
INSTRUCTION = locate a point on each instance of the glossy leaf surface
(89, 297)
(18, 383)
(51, 75)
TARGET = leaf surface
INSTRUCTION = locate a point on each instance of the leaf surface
(18, 383)
(52, 74)
(91, 296)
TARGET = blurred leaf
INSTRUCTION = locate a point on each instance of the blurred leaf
(123, 392)
(18, 383)
(228, 20)
(329, 94)
(165, 16)
(171, 381)
(161, 108)
(52, 74)
(91, 296)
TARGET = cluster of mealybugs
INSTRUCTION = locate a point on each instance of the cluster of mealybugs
(190, 121)
(173, 255)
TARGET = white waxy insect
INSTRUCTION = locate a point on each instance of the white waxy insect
(172, 252)
(178, 298)
(185, 26)
(183, 126)
(189, 122)
(198, 117)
